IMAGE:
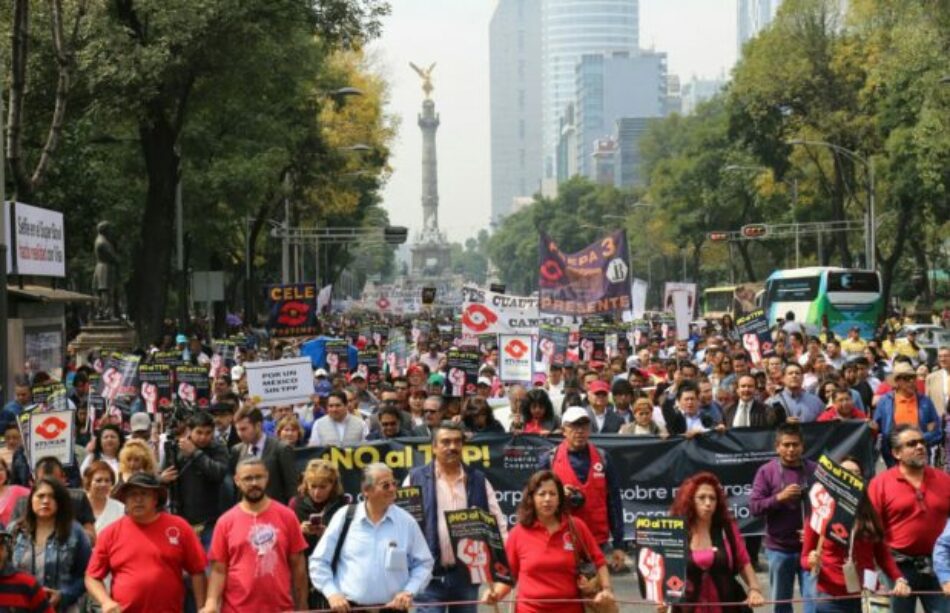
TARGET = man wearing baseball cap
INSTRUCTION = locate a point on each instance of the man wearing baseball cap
(603, 418)
(145, 552)
(590, 483)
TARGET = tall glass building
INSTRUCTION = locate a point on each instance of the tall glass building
(569, 30)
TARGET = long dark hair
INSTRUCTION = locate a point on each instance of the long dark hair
(97, 451)
(64, 509)
(684, 506)
(527, 515)
(539, 397)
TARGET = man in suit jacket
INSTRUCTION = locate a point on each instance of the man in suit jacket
(747, 412)
(603, 419)
(938, 382)
(276, 455)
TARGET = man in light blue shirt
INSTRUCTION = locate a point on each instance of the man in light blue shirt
(384, 560)
(800, 405)
(941, 559)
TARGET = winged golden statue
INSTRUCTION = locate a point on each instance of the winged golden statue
(426, 75)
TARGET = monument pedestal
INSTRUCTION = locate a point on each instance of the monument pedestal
(430, 259)
(113, 335)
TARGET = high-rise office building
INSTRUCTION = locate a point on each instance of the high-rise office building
(515, 97)
(696, 91)
(751, 17)
(569, 30)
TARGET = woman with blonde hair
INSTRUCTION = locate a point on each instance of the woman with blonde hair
(290, 431)
(319, 496)
(136, 457)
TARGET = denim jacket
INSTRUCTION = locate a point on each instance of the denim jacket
(65, 563)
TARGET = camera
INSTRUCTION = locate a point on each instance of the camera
(575, 499)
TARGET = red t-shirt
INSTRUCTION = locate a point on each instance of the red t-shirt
(831, 414)
(912, 521)
(257, 550)
(543, 564)
(146, 562)
(867, 555)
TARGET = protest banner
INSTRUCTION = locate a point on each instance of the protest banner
(224, 354)
(477, 543)
(192, 385)
(515, 358)
(671, 288)
(119, 376)
(155, 384)
(367, 364)
(171, 358)
(292, 310)
(397, 353)
(337, 356)
(409, 499)
(428, 295)
(593, 340)
(661, 557)
(595, 279)
(552, 344)
(834, 500)
(49, 434)
(487, 312)
(756, 337)
(462, 375)
(280, 382)
(50, 396)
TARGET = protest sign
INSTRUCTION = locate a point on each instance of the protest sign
(661, 556)
(593, 340)
(596, 279)
(834, 500)
(672, 288)
(225, 350)
(171, 358)
(192, 385)
(409, 499)
(515, 358)
(552, 344)
(428, 295)
(756, 338)
(49, 434)
(292, 310)
(682, 314)
(337, 356)
(119, 377)
(397, 353)
(50, 396)
(487, 312)
(280, 381)
(155, 383)
(367, 364)
(477, 543)
(462, 375)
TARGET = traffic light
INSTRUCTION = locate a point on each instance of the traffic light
(717, 237)
(395, 235)
(755, 230)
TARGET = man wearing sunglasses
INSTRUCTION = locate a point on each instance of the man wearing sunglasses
(913, 501)
(904, 405)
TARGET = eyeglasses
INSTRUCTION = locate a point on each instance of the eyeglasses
(430, 411)
(917, 442)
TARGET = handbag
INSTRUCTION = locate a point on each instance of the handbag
(588, 582)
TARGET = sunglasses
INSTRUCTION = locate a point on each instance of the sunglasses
(917, 442)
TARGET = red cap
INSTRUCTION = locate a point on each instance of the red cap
(415, 369)
(598, 385)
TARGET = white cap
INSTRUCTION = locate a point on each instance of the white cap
(320, 372)
(140, 422)
(574, 414)
(484, 381)
(237, 373)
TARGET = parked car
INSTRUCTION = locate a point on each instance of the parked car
(930, 337)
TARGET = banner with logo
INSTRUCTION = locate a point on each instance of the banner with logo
(397, 353)
(462, 375)
(834, 500)
(170, 358)
(515, 358)
(661, 557)
(337, 352)
(192, 385)
(367, 364)
(756, 337)
(50, 396)
(224, 354)
(49, 434)
(596, 279)
(476, 541)
(593, 340)
(292, 310)
(552, 344)
(119, 377)
(487, 312)
(280, 382)
(155, 385)
(649, 469)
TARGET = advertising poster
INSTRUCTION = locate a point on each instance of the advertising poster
(280, 382)
(661, 557)
(477, 543)
(192, 385)
(834, 500)
(462, 372)
(596, 279)
(756, 338)
(292, 310)
(515, 358)
(155, 385)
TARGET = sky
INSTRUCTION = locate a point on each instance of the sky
(699, 37)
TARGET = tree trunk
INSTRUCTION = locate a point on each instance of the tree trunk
(889, 264)
(923, 286)
(838, 213)
(151, 271)
(743, 248)
(19, 43)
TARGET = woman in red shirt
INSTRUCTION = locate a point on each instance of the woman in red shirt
(540, 550)
(827, 558)
(717, 552)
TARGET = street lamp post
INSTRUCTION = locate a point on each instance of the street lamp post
(793, 184)
(870, 237)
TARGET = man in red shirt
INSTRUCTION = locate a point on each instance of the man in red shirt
(843, 408)
(257, 551)
(913, 501)
(145, 552)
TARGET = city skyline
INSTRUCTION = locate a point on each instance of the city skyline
(698, 36)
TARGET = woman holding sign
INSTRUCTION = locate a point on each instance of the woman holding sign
(543, 552)
(840, 569)
(716, 551)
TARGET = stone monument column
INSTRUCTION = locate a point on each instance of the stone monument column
(429, 123)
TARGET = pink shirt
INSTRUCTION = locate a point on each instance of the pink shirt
(257, 550)
(451, 496)
(8, 500)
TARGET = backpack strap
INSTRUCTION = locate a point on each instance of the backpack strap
(347, 520)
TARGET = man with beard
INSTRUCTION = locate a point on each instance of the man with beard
(256, 555)
(913, 501)
(146, 553)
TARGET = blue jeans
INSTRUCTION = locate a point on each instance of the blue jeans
(784, 566)
(452, 586)
(851, 605)
(933, 603)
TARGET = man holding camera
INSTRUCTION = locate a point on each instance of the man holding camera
(194, 467)
(591, 485)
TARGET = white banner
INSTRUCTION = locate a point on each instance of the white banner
(515, 358)
(671, 288)
(280, 381)
(682, 313)
(40, 241)
(638, 298)
(51, 434)
(487, 312)
(323, 298)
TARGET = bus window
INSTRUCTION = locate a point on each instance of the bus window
(802, 289)
(854, 282)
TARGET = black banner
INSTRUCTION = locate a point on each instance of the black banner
(649, 469)
(155, 383)
(463, 372)
(476, 540)
(661, 557)
(756, 337)
(194, 388)
(596, 279)
(552, 343)
(367, 364)
(593, 340)
(834, 500)
(292, 310)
